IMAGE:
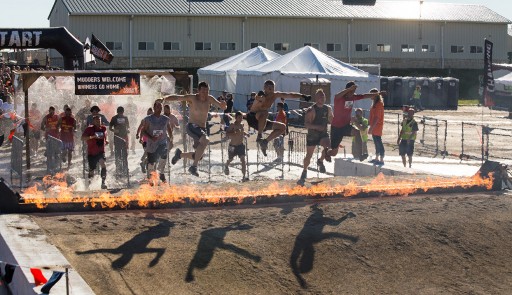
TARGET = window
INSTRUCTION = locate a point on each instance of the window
(314, 45)
(475, 49)
(408, 48)
(227, 46)
(172, 46)
(203, 46)
(146, 45)
(115, 45)
(428, 48)
(363, 47)
(457, 49)
(333, 46)
(258, 44)
(383, 48)
(281, 46)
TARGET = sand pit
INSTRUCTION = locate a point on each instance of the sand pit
(429, 244)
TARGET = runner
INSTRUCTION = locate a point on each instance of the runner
(120, 126)
(67, 125)
(236, 134)
(343, 103)
(143, 139)
(34, 122)
(157, 128)
(257, 118)
(199, 104)
(96, 137)
(279, 141)
(316, 120)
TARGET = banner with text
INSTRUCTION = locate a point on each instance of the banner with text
(107, 84)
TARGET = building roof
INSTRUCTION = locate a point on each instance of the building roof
(384, 10)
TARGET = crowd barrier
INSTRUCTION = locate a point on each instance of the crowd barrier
(17, 159)
(53, 155)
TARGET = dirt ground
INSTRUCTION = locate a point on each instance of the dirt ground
(422, 244)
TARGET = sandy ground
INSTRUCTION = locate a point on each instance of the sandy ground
(423, 244)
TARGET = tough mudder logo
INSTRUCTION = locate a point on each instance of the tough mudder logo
(20, 38)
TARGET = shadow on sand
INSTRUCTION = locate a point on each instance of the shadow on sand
(138, 245)
(303, 254)
(212, 239)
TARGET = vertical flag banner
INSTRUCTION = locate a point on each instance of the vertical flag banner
(56, 276)
(488, 82)
(100, 51)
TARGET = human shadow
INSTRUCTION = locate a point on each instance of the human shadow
(303, 253)
(212, 239)
(138, 245)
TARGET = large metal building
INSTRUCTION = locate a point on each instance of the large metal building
(181, 34)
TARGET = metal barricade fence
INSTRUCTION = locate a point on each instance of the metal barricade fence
(432, 137)
(121, 158)
(472, 142)
(17, 159)
(53, 155)
(497, 143)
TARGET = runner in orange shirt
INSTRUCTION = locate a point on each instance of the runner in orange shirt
(376, 125)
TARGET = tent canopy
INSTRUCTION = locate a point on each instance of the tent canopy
(222, 75)
(306, 62)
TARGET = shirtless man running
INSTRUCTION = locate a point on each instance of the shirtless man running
(257, 117)
(196, 128)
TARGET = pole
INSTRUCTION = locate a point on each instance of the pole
(27, 135)
(67, 281)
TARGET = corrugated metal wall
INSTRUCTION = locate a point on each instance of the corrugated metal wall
(295, 32)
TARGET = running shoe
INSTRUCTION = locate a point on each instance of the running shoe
(263, 146)
(142, 167)
(226, 170)
(193, 171)
(162, 177)
(177, 156)
(302, 179)
(103, 185)
(321, 166)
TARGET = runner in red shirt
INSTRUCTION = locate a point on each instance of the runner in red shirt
(34, 123)
(49, 124)
(340, 126)
(67, 125)
(96, 137)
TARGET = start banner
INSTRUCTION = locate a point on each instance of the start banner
(107, 84)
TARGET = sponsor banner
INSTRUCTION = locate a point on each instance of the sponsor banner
(488, 81)
(100, 51)
(107, 84)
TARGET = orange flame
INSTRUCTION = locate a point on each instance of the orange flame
(56, 190)
(132, 88)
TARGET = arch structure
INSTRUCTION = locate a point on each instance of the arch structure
(60, 39)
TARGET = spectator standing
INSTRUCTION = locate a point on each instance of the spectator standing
(376, 124)
(416, 98)
(360, 136)
(228, 110)
(407, 137)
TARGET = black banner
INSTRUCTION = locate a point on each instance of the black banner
(60, 39)
(107, 84)
(488, 81)
(100, 51)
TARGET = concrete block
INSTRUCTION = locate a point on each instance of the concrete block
(23, 243)
(353, 167)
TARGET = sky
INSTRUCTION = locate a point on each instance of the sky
(34, 13)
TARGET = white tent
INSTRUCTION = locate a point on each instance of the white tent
(290, 69)
(503, 85)
(222, 75)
